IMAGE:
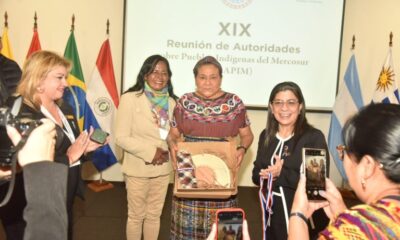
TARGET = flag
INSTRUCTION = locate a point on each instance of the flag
(387, 90)
(102, 96)
(6, 50)
(75, 94)
(35, 43)
(348, 101)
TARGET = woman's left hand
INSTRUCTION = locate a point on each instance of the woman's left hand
(333, 196)
(301, 203)
(79, 147)
(275, 169)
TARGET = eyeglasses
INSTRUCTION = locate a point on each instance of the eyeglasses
(341, 149)
(289, 103)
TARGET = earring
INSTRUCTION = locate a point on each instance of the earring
(40, 90)
(363, 183)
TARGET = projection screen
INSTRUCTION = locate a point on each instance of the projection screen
(258, 42)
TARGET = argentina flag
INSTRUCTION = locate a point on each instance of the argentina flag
(348, 101)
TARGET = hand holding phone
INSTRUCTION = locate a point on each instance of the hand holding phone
(99, 136)
(230, 223)
(314, 166)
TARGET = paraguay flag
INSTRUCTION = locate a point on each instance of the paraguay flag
(348, 101)
(102, 96)
(75, 94)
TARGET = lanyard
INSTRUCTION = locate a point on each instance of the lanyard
(66, 129)
(266, 202)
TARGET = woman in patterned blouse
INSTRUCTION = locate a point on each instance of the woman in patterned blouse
(208, 114)
(371, 159)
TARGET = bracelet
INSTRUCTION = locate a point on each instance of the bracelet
(300, 215)
(243, 147)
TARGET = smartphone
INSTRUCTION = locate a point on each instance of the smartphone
(99, 136)
(314, 166)
(230, 223)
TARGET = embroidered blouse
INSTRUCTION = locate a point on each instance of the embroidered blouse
(377, 221)
(220, 117)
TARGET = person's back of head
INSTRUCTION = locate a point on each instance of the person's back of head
(375, 131)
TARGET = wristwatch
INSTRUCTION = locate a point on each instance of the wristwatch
(241, 146)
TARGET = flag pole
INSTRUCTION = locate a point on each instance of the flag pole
(101, 184)
(6, 20)
(108, 28)
(78, 116)
(35, 22)
(345, 189)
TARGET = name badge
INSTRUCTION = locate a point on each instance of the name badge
(163, 133)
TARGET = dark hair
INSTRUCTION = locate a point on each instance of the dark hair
(301, 122)
(147, 68)
(375, 131)
(205, 61)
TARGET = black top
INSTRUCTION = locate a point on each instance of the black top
(292, 156)
(63, 142)
(75, 182)
(10, 73)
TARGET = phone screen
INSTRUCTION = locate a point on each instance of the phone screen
(99, 136)
(315, 171)
(230, 224)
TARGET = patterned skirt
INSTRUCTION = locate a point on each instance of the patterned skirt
(193, 218)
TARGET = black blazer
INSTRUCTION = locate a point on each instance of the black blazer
(75, 182)
(290, 173)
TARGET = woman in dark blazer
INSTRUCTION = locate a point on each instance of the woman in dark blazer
(42, 85)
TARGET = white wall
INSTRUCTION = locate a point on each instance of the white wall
(370, 20)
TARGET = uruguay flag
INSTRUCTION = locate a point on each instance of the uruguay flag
(103, 100)
(348, 101)
(387, 90)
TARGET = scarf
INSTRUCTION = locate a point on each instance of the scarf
(159, 103)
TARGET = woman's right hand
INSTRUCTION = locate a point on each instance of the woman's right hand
(78, 148)
(336, 203)
(173, 149)
(160, 157)
(172, 141)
